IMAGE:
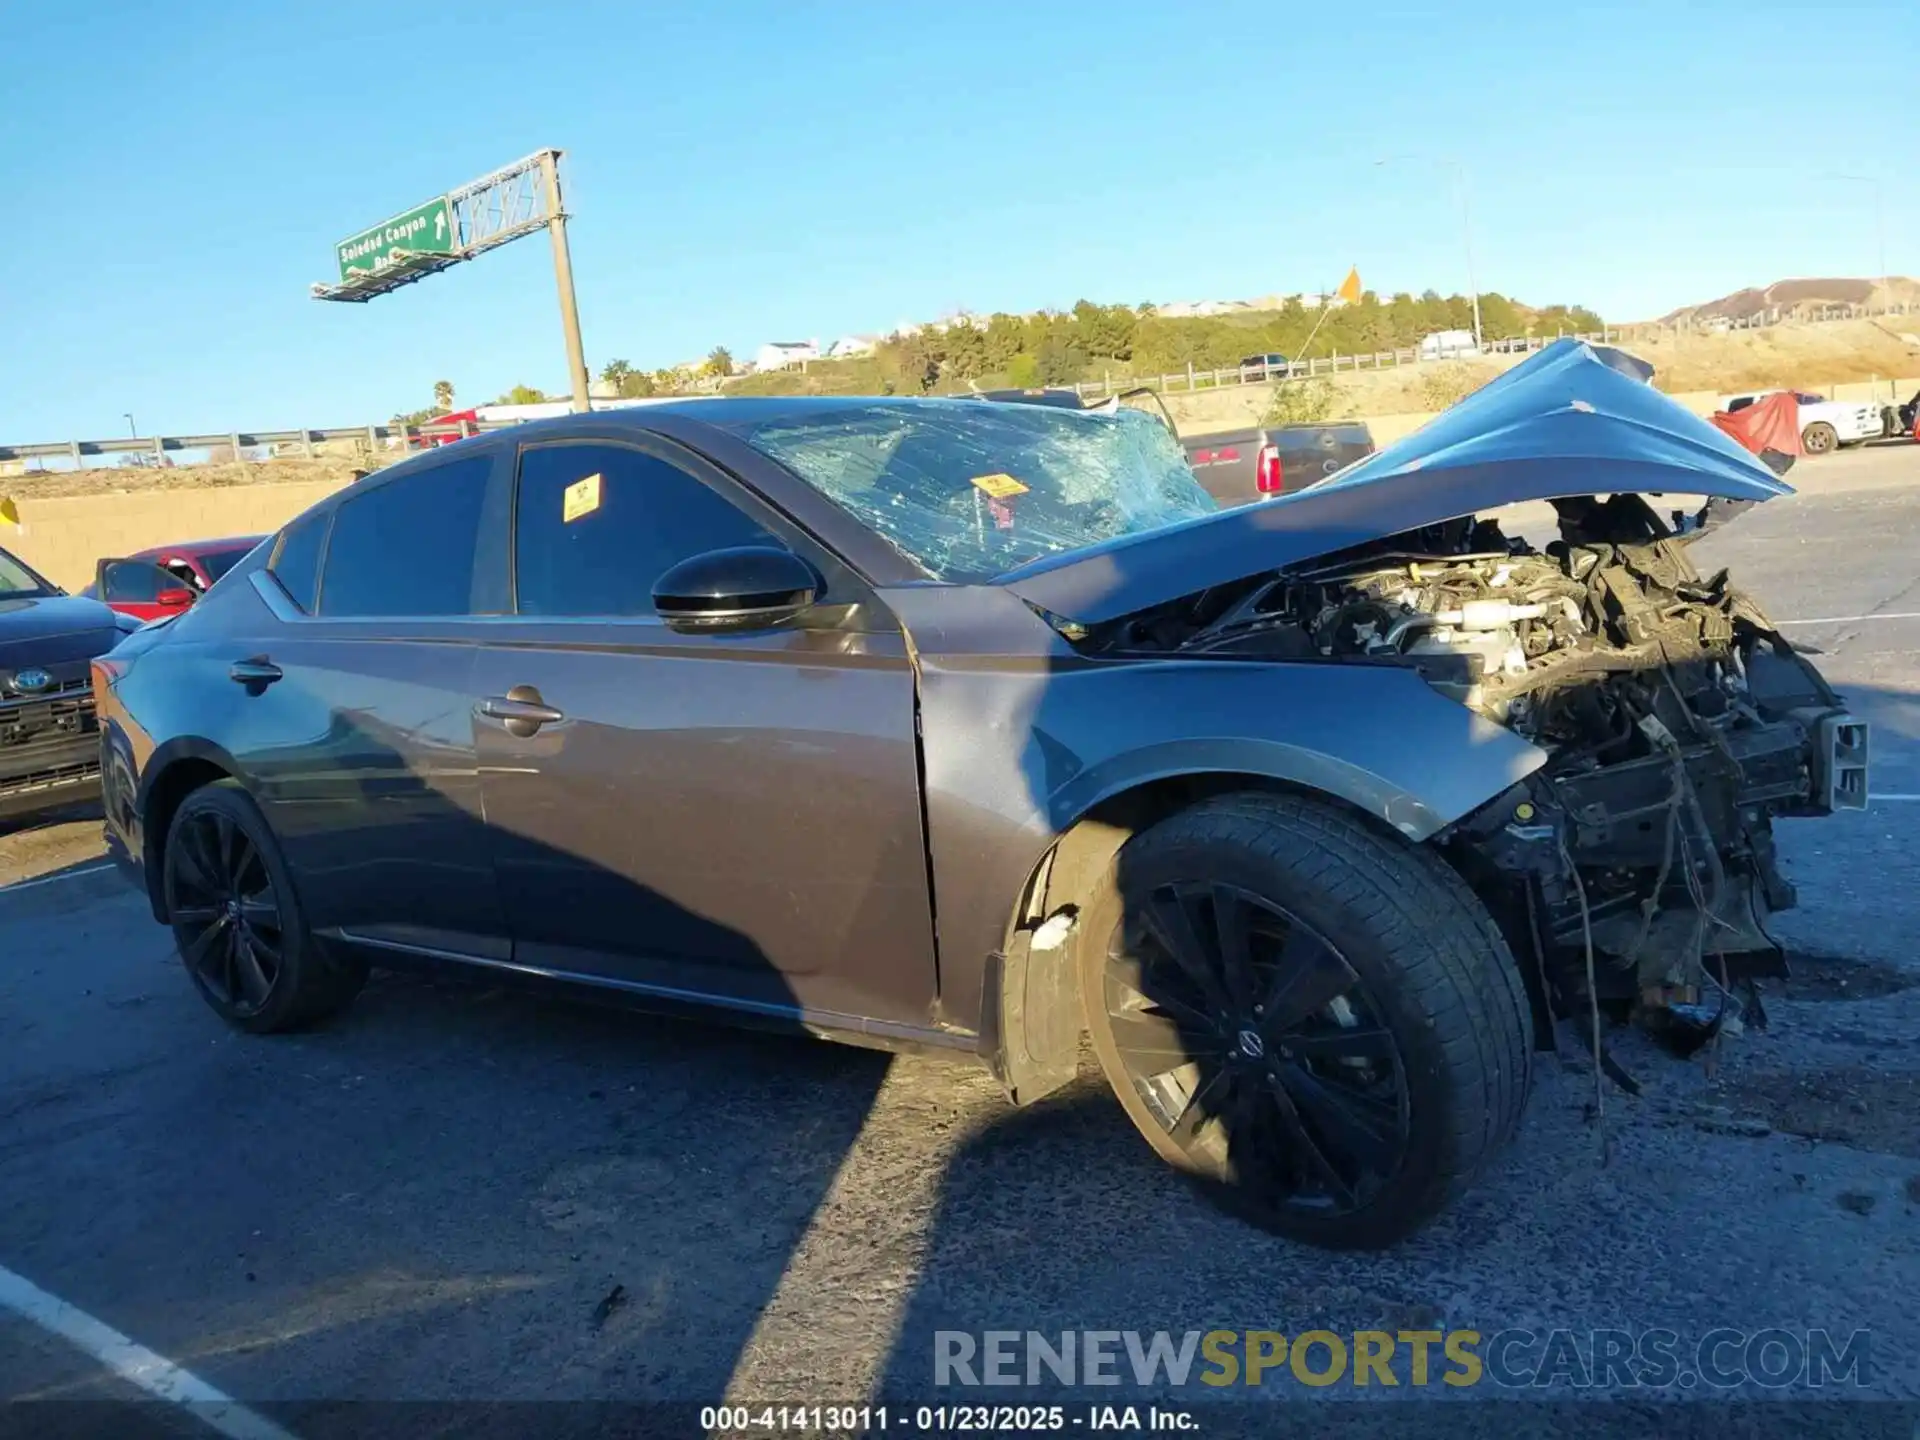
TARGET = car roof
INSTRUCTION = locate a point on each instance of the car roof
(743, 409)
(200, 547)
(730, 412)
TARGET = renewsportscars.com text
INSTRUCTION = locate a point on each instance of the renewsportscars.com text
(1773, 1358)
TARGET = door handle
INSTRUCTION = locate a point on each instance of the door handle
(520, 710)
(256, 673)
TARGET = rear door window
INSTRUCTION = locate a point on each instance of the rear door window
(406, 547)
(133, 582)
(596, 525)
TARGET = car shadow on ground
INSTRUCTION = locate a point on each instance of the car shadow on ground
(461, 1189)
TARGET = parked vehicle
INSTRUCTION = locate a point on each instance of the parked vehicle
(1235, 467)
(1239, 466)
(1825, 425)
(979, 727)
(462, 419)
(1064, 397)
(1902, 419)
(1770, 428)
(167, 578)
(1449, 345)
(49, 746)
(1265, 367)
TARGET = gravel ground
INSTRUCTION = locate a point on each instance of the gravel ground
(462, 1194)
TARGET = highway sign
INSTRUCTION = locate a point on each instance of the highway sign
(511, 202)
(424, 230)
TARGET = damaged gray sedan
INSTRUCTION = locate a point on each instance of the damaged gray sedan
(973, 726)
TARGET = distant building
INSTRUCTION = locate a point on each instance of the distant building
(785, 354)
(1183, 309)
(849, 346)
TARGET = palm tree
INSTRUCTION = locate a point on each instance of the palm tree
(443, 395)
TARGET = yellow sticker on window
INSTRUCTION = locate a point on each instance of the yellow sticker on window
(580, 498)
(1000, 487)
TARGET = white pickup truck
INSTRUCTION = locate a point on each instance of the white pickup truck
(1825, 425)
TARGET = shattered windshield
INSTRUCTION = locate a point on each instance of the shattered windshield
(969, 490)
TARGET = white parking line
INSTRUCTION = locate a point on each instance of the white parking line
(133, 1363)
(1855, 619)
(1876, 799)
(54, 879)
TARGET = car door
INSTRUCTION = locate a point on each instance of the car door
(140, 588)
(352, 718)
(729, 815)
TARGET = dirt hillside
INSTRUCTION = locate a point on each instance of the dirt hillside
(1812, 355)
(1833, 353)
(111, 479)
(1799, 296)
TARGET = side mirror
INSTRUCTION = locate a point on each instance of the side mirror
(176, 597)
(745, 587)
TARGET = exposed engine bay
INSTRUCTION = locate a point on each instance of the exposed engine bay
(1636, 867)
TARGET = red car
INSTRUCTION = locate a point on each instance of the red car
(168, 578)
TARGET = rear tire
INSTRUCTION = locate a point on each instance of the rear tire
(1371, 1059)
(1819, 438)
(237, 922)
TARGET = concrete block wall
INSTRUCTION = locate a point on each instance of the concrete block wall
(64, 538)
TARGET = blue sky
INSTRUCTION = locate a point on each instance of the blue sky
(753, 170)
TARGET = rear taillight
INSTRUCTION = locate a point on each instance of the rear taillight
(1268, 477)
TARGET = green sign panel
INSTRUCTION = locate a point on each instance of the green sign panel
(424, 230)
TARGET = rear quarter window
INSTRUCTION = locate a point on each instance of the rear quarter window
(296, 558)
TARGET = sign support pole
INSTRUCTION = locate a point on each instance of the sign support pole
(563, 278)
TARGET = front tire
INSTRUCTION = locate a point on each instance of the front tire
(1819, 438)
(1319, 1023)
(237, 922)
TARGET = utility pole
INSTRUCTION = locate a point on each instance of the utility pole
(127, 416)
(563, 278)
(1879, 221)
(1466, 225)
(1466, 229)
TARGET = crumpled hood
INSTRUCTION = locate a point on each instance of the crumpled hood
(1572, 419)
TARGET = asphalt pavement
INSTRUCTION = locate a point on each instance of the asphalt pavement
(463, 1194)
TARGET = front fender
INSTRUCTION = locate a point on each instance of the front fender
(1016, 752)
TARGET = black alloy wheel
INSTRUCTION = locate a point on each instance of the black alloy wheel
(237, 922)
(1253, 1042)
(226, 912)
(1316, 1021)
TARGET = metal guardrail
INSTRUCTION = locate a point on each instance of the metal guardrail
(1227, 377)
(159, 447)
(376, 438)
